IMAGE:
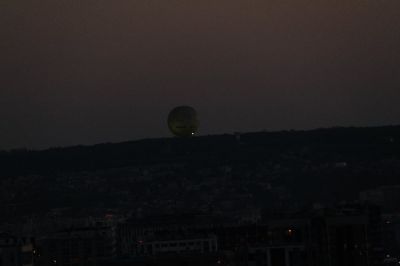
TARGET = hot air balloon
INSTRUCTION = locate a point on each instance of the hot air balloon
(182, 121)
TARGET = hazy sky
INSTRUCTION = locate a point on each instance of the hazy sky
(89, 71)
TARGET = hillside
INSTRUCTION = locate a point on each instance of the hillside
(264, 169)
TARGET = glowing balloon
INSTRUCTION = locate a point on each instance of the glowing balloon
(182, 121)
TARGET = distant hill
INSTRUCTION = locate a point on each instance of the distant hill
(263, 169)
(319, 145)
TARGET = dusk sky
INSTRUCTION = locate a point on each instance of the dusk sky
(90, 71)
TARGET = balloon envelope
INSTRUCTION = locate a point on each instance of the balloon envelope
(182, 121)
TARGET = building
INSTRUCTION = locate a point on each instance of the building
(15, 251)
(76, 247)
(177, 245)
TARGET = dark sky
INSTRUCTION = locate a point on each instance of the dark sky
(89, 71)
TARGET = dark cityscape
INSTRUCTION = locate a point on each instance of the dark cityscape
(199, 133)
(320, 197)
